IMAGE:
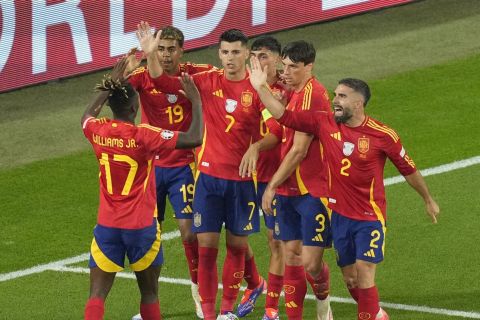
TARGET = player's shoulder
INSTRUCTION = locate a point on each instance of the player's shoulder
(381, 130)
(314, 92)
(148, 127)
(193, 68)
(139, 71)
(96, 121)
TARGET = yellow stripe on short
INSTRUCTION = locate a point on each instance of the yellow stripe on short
(102, 261)
(144, 262)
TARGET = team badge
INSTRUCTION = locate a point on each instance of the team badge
(238, 275)
(363, 145)
(247, 98)
(277, 228)
(167, 134)
(348, 148)
(172, 98)
(364, 315)
(230, 105)
(288, 289)
(197, 219)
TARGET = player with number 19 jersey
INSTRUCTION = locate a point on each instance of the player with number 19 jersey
(168, 111)
(174, 169)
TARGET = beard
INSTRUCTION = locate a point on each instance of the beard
(346, 115)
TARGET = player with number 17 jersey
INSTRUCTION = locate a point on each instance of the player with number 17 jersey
(125, 154)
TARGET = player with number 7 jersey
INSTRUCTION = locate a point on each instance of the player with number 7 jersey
(232, 113)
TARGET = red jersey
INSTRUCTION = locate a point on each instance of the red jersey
(356, 159)
(269, 160)
(311, 175)
(127, 182)
(232, 112)
(168, 111)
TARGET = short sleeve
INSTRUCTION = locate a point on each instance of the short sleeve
(154, 138)
(398, 155)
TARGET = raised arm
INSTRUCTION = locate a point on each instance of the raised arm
(115, 78)
(149, 44)
(416, 181)
(193, 136)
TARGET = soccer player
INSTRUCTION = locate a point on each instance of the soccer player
(300, 183)
(356, 148)
(267, 49)
(232, 114)
(127, 223)
(173, 168)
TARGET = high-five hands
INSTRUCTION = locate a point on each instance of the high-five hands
(148, 42)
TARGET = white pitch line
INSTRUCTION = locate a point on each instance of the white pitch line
(405, 307)
(437, 170)
(43, 267)
(60, 264)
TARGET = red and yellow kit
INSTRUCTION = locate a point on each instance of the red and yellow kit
(311, 174)
(168, 111)
(268, 161)
(125, 153)
(232, 112)
(356, 159)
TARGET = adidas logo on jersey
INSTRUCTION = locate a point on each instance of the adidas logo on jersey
(218, 93)
(336, 135)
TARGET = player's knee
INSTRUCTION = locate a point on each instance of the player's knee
(292, 257)
(276, 247)
(312, 266)
(350, 282)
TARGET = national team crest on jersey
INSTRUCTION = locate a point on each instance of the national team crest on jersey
(197, 219)
(167, 134)
(348, 148)
(172, 98)
(247, 98)
(230, 105)
(363, 145)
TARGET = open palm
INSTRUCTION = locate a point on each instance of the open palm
(145, 37)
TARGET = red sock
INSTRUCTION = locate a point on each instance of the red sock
(191, 252)
(354, 293)
(274, 288)
(320, 284)
(368, 306)
(295, 288)
(94, 309)
(208, 280)
(150, 311)
(233, 271)
(251, 275)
